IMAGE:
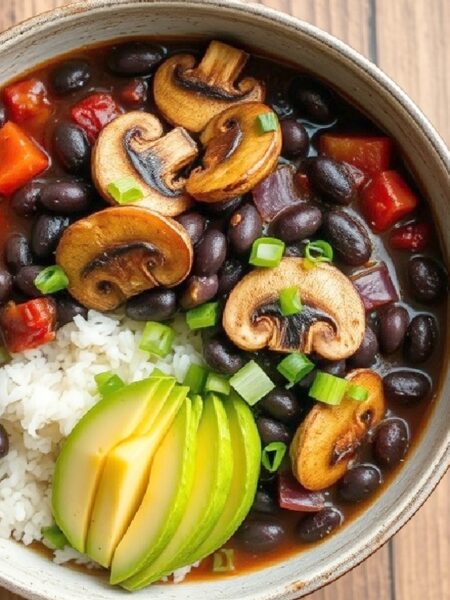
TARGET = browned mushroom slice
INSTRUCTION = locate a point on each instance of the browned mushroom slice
(331, 324)
(191, 96)
(238, 154)
(329, 437)
(133, 145)
(119, 252)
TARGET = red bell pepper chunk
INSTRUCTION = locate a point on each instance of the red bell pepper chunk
(27, 100)
(20, 158)
(414, 237)
(293, 496)
(371, 154)
(28, 325)
(134, 93)
(94, 112)
(386, 200)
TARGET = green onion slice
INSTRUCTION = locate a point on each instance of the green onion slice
(272, 456)
(357, 392)
(205, 315)
(223, 560)
(108, 382)
(294, 367)
(328, 388)
(290, 303)
(319, 251)
(54, 537)
(217, 383)
(251, 383)
(157, 338)
(124, 190)
(51, 279)
(266, 252)
(267, 122)
(195, 378)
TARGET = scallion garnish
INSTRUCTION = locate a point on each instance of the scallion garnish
(267, 122)
(318, 251)
(328, 388)
(266, 252)
(205, 315)
(124, 190)
(223, 560)
(251, 382)
(290, 303)
(357, 392)
(108, 382)
(295, 366)
(54, 537)
(195, 378)
(51, 279)
(157, 338)
(272, 456)
(160, 374)
(217, 383)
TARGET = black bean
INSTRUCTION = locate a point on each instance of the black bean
(25, 202)
(427, 278)
(244, 228)
(2, 114)
(134, 58)
(393, 323)
(295, 138)
(316, 526)
(261, 533)
(391, 442)
(359, 483)
(6, 284)
(24, 280)
(210, 253)
(70, 76)
(199, 290)
(406, 386)
(67, 308)
(17, 252)
(295, 251)
(337, 367)
(66, 197)
(223, 209)
(348, 236)
(4, 442)
(420, 338)
(296, 223)
(194, 223)
(154, 305)
(282, 405)
(230, 273)
(312, 100)
(220, 355)
(272, 431)
(331, 179)
(366, 353)
(71, 147)
(46, 233)
(264, 502)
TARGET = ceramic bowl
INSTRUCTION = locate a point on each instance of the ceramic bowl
(26, 45)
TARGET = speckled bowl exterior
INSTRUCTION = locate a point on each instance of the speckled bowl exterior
(26, 45)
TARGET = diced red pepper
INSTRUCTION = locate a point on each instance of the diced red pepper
(20, 158)
(94, 112)
(27, 100)
(28, 325)
(386, 200)
(134, 93)
(371, 154)
(293, 496)
(375, 287)
(414, 237)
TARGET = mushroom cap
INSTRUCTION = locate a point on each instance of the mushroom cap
(329, 437)
(331, 324)
(119, 252)
(238, 154)
(191, 96)
(134, 145)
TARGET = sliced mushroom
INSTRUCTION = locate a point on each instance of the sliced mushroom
(238, 154)
(133, 145)
(329, 437)
(120, 252)
(190, 95)
(331, 324)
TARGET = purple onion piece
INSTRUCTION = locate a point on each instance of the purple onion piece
(293, 496)
(375, 287)
(276, 192)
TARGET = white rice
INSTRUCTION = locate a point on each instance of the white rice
(43, 394)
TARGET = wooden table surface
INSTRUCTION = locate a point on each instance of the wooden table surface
(410, 40)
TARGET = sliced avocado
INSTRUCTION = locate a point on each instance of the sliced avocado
(213, 471)
(80, 462)
(165, 499)
(125, 475)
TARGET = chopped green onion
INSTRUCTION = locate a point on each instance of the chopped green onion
(251, 383)
(266, 252)
(272, 456)
(51, 279)
(159, 373)
(328, 388)
(267, 122)
(358, 393)
(217, 383)
(290, 303)
(223, 560)
(195, 378)
(125, 189)
(318, 251)
(54, 537)
(205, 315)
(108, 382)
(5, 356)
(157, 338)
(295, 366)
